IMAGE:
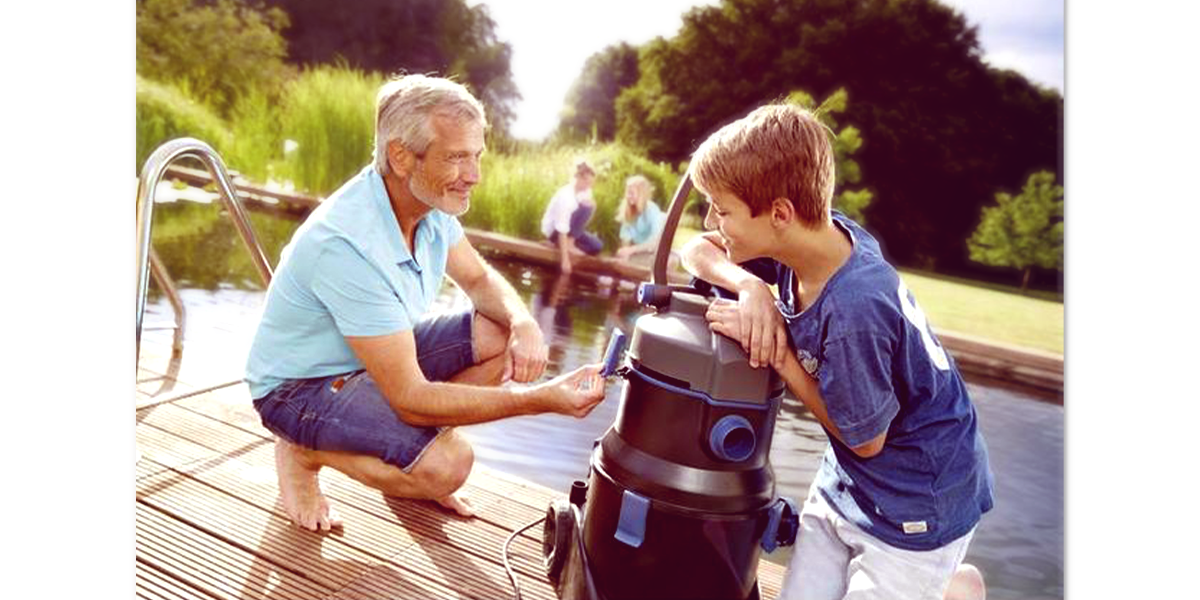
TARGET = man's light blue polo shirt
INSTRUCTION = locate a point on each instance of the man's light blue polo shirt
(346, 272)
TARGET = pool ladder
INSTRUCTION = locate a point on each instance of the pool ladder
(148, 263)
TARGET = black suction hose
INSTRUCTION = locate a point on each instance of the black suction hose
(512, 575)
(659, 274)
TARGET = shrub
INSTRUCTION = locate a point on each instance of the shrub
(164, 112)
(219, 50)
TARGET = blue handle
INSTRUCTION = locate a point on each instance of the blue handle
(783, 524)
(614, 353)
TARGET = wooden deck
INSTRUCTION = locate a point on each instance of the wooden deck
(209, 523)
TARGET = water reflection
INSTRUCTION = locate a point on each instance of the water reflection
(1018, 546)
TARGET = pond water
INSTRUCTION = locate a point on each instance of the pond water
(1018, 546)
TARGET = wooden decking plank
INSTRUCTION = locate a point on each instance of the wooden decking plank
(388, 581)
(231, 405)
(770, 578)
(507, 503)
(212, 434)
(253, 481)
(203, 430)
(415, 522)
(152, 584)
(262, 533)
(208, 564)
(170, 450)
(409, 522)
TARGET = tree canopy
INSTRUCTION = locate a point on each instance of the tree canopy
(591, 102)
(446, 37)
(940, 129)
(1023, 231)
(218, 51)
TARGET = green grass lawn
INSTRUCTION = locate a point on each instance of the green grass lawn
(985, 312)
(978, 309)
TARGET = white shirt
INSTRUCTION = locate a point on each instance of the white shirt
(558, 213)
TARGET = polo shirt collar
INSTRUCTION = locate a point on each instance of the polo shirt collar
(397, 249)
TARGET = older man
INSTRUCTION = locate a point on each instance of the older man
(346, 367)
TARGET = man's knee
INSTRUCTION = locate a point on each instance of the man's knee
(445, 466)
(489, 338)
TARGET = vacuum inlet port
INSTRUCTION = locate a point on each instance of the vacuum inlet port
(732, 438)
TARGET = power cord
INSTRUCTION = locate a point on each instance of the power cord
(512, 575)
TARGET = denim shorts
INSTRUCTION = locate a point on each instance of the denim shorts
(348, 413)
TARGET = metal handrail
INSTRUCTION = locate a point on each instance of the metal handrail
(159, 271)
(152, 173)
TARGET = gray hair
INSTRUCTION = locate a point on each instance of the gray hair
(403, 109)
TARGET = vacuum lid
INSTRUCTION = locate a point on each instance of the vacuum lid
(678, 343)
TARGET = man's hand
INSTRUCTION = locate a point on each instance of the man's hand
(575, 393)
(754, 322)
(527, 352)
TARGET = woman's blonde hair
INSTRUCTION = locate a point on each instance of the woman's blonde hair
(777, 151)
(643, 190)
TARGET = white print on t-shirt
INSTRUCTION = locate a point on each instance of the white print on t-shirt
(913, 313)
(808, 361)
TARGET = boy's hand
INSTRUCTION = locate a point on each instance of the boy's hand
(754, 322)
(727, 317)
(575, 393)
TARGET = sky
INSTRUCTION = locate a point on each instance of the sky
(552, 39)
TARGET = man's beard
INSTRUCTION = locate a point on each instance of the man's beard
(432, 199)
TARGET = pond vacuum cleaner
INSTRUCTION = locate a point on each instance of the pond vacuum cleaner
(680, 498)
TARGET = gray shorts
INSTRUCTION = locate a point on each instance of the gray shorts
(834, 560)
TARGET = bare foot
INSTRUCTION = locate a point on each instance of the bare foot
(458, 504)
(301, 489)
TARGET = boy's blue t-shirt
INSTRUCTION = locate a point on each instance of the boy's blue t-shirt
(880, 368)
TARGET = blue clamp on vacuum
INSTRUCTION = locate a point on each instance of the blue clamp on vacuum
(653, 294)
(782, 525)
(613, 354)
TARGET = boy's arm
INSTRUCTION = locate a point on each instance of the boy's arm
(805, 388)
(760, 330)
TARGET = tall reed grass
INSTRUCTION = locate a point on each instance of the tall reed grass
(330, 113)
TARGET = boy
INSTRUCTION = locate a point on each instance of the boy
(905, 478)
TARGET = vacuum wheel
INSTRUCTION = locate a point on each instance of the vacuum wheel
(557, 531)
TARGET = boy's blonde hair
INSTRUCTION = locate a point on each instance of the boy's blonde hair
(776, 151)
(644, 190)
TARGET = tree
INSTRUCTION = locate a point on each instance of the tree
(845, 143)
(941, 129)
(590, 106)
(217, 52)
(443, 37)
(1023, 231)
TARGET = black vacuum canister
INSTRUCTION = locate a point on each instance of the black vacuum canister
(680, 500)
